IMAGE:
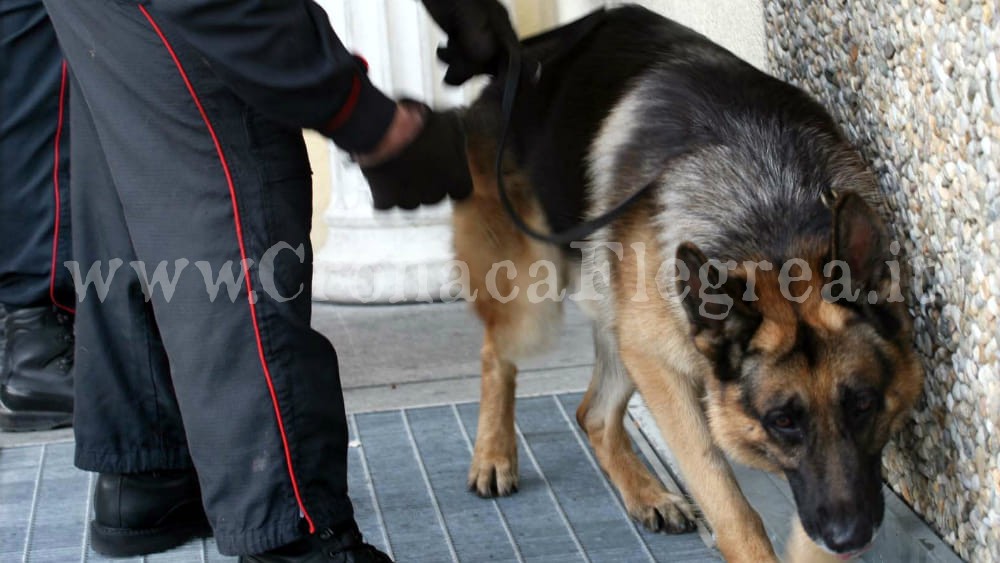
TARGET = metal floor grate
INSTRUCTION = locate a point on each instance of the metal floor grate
(407, 480)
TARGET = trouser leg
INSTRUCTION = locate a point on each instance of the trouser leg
(126, 416)
(32, 174)
(36, 384)
(205, 182)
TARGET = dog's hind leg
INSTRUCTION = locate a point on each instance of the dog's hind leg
(601, 415)
(503, 265)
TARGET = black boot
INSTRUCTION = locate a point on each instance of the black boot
(341, 545)
(36, 385)
(146, 513)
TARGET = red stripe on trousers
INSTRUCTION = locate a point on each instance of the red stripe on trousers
(246, 269)
(58, 196)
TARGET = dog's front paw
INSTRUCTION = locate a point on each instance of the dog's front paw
(493, 475)
(662, 511)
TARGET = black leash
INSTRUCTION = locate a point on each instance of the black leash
(583, 230)
(577, 31)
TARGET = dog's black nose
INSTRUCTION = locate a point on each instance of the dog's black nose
(848, 535)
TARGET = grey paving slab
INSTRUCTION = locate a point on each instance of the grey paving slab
(15, 439)
(211, 553)
(189, 553)
(663, 547)
(19, 475)
(478, 530)
(462, 390)
(411, 518)
(765, 496)
(385, 346)
(60, 508)
(537, 523)
(592, 510)
(905, 537)
(367, 510)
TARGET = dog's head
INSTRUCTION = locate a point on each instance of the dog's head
(806, 384)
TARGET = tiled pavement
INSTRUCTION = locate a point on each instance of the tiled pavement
(408, 462)
(407, 478)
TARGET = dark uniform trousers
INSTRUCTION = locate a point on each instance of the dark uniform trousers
(172, 170)
(34, 160)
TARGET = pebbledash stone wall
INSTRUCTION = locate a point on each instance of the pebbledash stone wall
(916, 86)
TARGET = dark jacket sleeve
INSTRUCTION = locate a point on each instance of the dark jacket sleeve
(283, 58)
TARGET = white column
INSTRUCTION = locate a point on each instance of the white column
(737, 25)
(385, 257)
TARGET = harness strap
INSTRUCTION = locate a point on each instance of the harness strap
(515, 66)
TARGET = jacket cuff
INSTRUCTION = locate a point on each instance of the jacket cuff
(363, 120)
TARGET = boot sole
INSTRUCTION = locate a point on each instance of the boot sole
(127, 542)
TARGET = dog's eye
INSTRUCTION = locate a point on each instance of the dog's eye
(865, 403)
(782, 421)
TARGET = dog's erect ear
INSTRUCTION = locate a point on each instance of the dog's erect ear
(722, 323)
(861, 240)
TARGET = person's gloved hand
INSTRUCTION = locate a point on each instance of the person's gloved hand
(420, 161)
(478, 34)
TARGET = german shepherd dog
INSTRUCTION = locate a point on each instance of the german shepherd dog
(745, 357)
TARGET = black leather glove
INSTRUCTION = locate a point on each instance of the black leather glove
(479, 32)
(431, 167)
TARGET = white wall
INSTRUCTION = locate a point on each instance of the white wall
(737, 25)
